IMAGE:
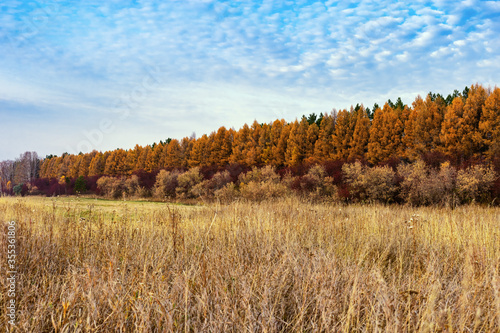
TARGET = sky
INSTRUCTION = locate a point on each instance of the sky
(83, 75)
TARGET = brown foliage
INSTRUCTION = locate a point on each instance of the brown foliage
(377, 184)
(474, 183)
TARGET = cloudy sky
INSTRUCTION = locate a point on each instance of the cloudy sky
(83, 75)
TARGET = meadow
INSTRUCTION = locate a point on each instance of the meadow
(282, 265)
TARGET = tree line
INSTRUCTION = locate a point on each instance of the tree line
(461, 128)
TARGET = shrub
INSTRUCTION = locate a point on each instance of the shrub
(18, 189)
(166, 183)
(371, 184)
(187, 182)
(413, 184)
(227, 193)
(132, 185)
(421, 186)
(208, 187)
(441, 186)
(111, 187)
(80, 185)
(380, 184)
(316, 183)
(260, 184)
(474, 183)
(266, 174)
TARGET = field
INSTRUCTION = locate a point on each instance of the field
(95, 266)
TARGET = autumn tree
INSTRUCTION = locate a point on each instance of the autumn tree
(186, 149)
(489, 125)
(254, 149)
(361, 135)
(311, 138)
(173, 154)
(472, 142)
(280, 133)
(423, 126)
(323, 148)
(240, 145)
(220, 147)
(110, 166)
(342, 136)
(449, 136)
(200, 152)
(265, 144)
(297, 143)
(385, 135)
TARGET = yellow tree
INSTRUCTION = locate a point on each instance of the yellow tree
(76, 160)
(186, 149)
(173, 155)
(122, 165)
(279, 137)
(43, 167)
(65, 165)
(96, 167)
(153, 158)
(472, 141)
(240, 145)
(489, 124)
(312, 137)
(132, 157)
(423, 127)
(143, 157)
(110, 167)
(265, 144)
(253, 149)
(361, 135)
(199, 153)
(385, 135)
(449, 136)
(323, 148)
(83, 170)
(220, 147)
(297, 143)
(342, 136)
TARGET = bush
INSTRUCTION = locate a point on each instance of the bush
(316, 183)
(187, 182)
(227, 193)
(421, 186)
(261, 184)
(474, 183)
(370, 184)
(18, 189)
(166, 183)
(442, 186)
(111, 187)
(208, 187)
(80, 185)
(266, 174)
(132, 185)
(413, 185)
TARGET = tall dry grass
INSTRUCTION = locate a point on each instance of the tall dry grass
(273, 266)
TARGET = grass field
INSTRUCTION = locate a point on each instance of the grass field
(96, 265)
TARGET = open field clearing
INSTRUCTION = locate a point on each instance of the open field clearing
(95, 265)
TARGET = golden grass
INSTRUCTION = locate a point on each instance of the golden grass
(95, 266)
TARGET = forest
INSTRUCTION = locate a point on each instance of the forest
(378, 154)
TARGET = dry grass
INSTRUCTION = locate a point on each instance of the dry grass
(97, 266)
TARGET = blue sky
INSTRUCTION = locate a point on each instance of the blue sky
(83, 75)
